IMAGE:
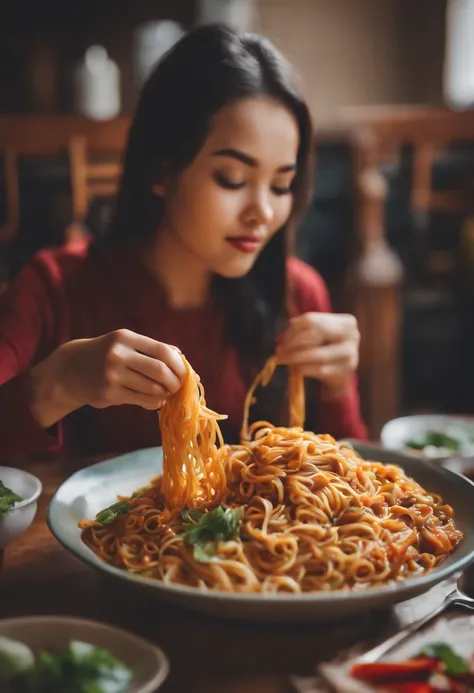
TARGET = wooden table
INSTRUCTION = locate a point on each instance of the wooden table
(207, 655)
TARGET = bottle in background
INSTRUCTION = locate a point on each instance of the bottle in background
(97, 85)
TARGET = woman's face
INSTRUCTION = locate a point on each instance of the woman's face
(234, 196)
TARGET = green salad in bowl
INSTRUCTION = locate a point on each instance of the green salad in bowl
(434, 436)
(8, 498)
(78, 668)
(65, 654)
(19, 493)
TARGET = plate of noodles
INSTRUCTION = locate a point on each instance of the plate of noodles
(287, 525)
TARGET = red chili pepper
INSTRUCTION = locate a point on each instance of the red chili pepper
(461, 683)
(413, 687)
(394, 671)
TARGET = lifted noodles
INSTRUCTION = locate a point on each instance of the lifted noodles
(285, 511)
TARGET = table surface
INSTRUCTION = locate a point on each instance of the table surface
(206, 654)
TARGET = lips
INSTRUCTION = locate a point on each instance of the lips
(246, 244)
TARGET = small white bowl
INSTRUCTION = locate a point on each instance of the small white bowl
(20, 517)
(149, 663)
(398, 432)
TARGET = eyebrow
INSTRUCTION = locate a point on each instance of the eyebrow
(249, 160)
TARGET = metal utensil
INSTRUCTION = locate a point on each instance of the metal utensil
(457, 597)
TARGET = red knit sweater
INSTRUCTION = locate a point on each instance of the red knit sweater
(74, 292)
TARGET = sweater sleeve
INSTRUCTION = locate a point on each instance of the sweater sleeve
(338, 416)
(26, 324)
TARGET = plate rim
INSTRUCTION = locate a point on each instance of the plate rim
(336, 597)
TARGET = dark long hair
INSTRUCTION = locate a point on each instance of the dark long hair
(209, 68)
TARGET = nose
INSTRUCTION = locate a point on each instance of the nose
(259, 211)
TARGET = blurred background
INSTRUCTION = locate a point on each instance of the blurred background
(391, 224)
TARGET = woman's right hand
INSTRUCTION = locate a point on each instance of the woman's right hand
(121, 367)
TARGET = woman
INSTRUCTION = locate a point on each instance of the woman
(216, 173)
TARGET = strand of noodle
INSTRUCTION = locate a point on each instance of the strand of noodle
(296, 396)
(193, 474)
(297, 399)
(262, 378)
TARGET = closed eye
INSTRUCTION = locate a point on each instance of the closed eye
(224, 182)
(228, 184)
(281, 191)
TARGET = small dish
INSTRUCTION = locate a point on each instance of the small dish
(440, 437)
(19, 518)
(149, 663)
(451, 632)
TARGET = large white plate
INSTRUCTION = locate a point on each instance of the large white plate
(93, 488)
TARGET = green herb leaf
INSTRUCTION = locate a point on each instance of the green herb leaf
(192, 515)
(81, 668)
(437, 440)
(101, 671)
(15, 658)
(203, 530)
(51, 663)
(7, 499)
(454, 663)
(205, 552)
(146, 572)
(108, 515)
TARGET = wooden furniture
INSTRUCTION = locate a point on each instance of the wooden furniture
(207, 655)
(43, 135)
(12, 194)
(376, 280)
(90, 179)
(75, 137)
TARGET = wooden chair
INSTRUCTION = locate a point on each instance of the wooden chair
(84, 141)
(12, 207)
(12, 194)
(89, 180)
(376, 279)
(373, 291)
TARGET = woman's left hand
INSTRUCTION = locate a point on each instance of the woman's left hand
(324, 346)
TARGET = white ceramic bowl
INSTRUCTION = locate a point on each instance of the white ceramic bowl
(148, 662)
(20, 517)
(398, 432)
(93, 488)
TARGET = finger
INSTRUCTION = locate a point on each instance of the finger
(319, 355)
(326, 327)
(326, 372)
(143, 385)
(139, 399)
(337, 352)
(304, 341)
(304, 334)
(296, 326)
(154, 369)
(169, 355)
